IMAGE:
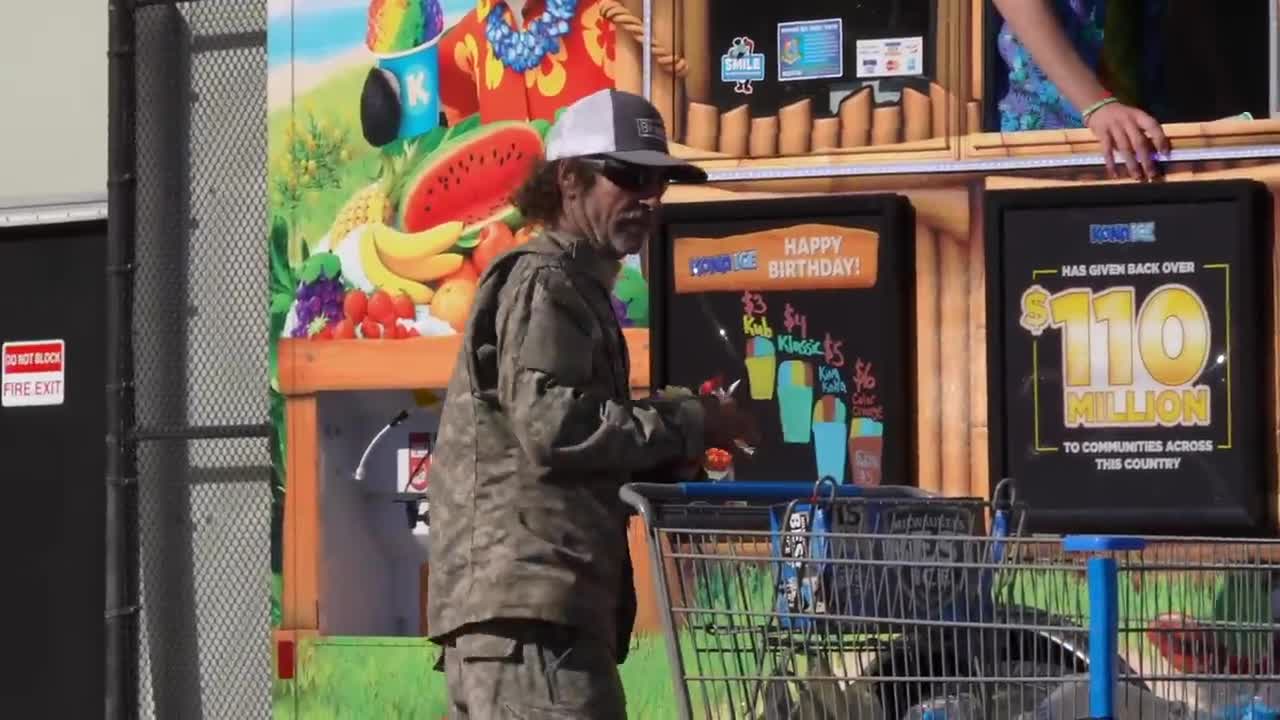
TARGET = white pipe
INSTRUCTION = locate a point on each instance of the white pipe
(358, 475)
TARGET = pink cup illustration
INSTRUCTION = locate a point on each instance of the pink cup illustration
(795, 399)
(830, 426)
(762, 367)
(866, 445)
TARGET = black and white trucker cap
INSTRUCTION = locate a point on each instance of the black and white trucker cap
(620, 125)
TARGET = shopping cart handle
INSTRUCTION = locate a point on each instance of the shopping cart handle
(1102, 543)
(764, 491)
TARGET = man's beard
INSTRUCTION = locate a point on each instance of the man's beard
(629, 239)
(632, 230)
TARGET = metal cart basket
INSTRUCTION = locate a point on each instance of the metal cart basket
(886, 603)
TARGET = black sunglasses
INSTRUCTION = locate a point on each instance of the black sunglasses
(629, 176)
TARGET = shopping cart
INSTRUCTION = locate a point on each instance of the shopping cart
(892, 603)
(834, 601)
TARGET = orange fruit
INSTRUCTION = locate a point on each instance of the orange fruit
(524, 234)
(452, 302)
(467, 271)
(494, 239)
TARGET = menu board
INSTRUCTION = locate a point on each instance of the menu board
(807, 305)
(774, 54)
(1129, 340)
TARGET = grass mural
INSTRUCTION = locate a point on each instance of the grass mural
(393, 677)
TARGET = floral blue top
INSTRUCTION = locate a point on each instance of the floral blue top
(1032, 101)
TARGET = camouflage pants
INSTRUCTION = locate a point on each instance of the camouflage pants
(524, 670)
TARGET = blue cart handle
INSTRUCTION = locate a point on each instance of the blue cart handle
(779, 491)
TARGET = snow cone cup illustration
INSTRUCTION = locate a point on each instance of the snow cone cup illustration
(404, 37)
(866, 445)
(762, 368)
(795, 400)
(830, 435)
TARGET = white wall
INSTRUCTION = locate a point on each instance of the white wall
(53, 88)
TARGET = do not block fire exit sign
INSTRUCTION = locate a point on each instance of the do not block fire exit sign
(34, 373)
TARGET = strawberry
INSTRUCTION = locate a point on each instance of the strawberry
(380, 307)
(389, 330)
(710, 386)
(403, 306)
(412, 332)
(369, 329)
(325, 333)
(400, 332)
(355, 305)
(345, 329)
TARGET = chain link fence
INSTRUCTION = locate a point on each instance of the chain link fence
(200, 348)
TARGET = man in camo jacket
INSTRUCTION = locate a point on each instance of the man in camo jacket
(530, 591)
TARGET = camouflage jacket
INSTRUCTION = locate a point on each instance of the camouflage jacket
(538, 433)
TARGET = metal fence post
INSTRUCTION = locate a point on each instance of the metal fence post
(1104, 615)
(121, 543)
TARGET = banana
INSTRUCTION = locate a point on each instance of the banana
(381, 276)
(395, 246)
(425, 269)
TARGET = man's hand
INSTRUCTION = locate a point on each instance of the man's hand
(726, 423)
(1134, 133)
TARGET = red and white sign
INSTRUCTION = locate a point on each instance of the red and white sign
(419, 461)
(414, 463)
(33, 373)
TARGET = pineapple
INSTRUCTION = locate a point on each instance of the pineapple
(374, 202)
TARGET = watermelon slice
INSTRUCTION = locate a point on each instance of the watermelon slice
(472, 178)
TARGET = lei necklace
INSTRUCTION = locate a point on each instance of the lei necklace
(524, 50)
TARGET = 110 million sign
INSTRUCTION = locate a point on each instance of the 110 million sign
(1129, 359)
(1147, 368)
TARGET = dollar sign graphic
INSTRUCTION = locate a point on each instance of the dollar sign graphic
(831, 349)
(1035, 310)
(748, 303)
(789, 317)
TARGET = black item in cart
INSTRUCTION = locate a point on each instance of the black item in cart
(894, 558)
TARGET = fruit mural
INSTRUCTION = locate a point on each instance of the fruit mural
(396, 141)
(414, 242)
(417, 217)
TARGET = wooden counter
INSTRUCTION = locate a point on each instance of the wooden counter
(308, 367)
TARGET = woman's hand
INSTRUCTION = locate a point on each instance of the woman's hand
(1135, 134)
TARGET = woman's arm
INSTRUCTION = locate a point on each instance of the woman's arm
(1117, 126)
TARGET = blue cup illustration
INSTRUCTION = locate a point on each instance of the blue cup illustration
(417, 73)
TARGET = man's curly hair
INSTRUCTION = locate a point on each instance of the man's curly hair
(539, 199)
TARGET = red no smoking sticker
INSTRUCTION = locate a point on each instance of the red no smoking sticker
(33, 373)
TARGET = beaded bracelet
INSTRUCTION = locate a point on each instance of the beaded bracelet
(1084, 116)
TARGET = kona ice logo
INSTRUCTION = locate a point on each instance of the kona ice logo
(1122, 233)
(724, 263)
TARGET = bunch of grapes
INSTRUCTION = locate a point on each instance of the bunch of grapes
(319, 304)
(620, 311)
(433, 19)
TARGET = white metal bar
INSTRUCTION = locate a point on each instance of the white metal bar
(647, 61)
(1274, 75)
(53, 213)
(976, 166)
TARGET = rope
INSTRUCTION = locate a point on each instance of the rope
(614, 12)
